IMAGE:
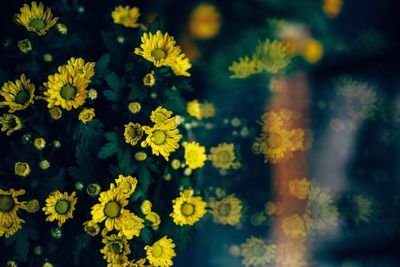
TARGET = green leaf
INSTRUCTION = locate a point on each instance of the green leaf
(174, 102)
(144, 178)
(136, 92)
(21, 241)
(87, 168)
(101, 65)
(109, 149)
(124, 162)
(115, 84)
(89, 134)
(145, 234)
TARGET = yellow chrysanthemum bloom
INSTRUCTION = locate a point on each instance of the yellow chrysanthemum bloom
(161, 116)
(140, 156)
(10, 123)
(195, 154)
(81, 67)
(294, 227)
(159, 49)
(131, 225)
(150, 215)
(204, 22)
(299, 188)
(25, 46)
(93, 190)
(127, 184)
(126, 16)
(187, 209)
(133, 133)
(134, 107)
(17, 95)
(313, 51)
(244, 68)
(271, 57)
(227, 210)
(161, 252)
(39, 143)
(193, 108)
(91, 228)
(332, 8)
(9, 205)
(55, 113)
(149, 79)
(257, 252)
(176, 164)
(111, 208)
(66, 89)
(60, 207)
(86, 115)
(10, 228)
(22, 169)
(92, 94)
(62, 28)
(116, 249)
(32, 206)
(181, 66)
(35, 19)
(222, 156)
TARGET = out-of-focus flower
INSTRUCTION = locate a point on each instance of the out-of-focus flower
(22, 169)
(25, 46)
(126, 16)
(332, 8)
(243, 68)
(204, 22)
(294, 227)
(257, 252)
(313, 51)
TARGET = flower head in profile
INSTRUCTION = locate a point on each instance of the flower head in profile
(10, 123)
(243, 68)
(161, 252)
(86, 115)
(36, 18)
(9, 206)
(133, 133)
(188, 209)
(17, 95)
(126, 16)
(60, 207)
(257, 252)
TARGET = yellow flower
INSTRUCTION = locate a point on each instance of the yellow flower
(111, 208)
(134, 107)
(332, 8)
(93, 190)
(10, 123)
(271, 56)
(313, 51)
(193, 108)
(22, 169)
(256, 252)
(44, 164)
(227, 210)
(195, 155)
(116, 249)
(62, 28)
(161, 116)
(131, 225)
(11, 227)
(299, 188)
(66, 89)
(92, 94)
(32, 206)
(86, 115)
(91, 228)
(181, 66)
(188, 209)
(126, 16)
(294, 227)
(159, 49)
(149, 79)
(9, 205)
(60, 207)
(133, 133)
(140, 156)
(150, 215)
(161, 252)
(25, 46)
(35, 18)
(55, 113)
(244, 68)
(39, 143)
(127, 184)
(176, 164)
(222, 156)
(207, 110)
(17, 95)
(82, 68)
(204, 22)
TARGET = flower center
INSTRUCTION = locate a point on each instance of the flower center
(117, 247)
(157, 250)
(274, 140)
(224, 209)
(6, 203)
(37, 24)
(258, 250)
(112, 209)
(158, 54)
(22, 97)
(134, 132)
(192, 156)
(68, 92)
(224, 156)
(158, 137)
(187, 209)
(62, 206)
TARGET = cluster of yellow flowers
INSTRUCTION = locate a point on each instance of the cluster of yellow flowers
(277, 141)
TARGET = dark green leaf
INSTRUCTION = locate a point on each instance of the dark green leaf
(145, 234)
(110, 148)
(101, 65)
(115, 84)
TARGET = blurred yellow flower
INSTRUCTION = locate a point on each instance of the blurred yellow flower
(256, 252)
(204, 22)
(222, 156)
(293, 226)
(271, 56)
(134, 107)
(243, 68)
(227, 210)
(299, 188)
(195, 155)
(149, 79)
(62, 28)
(332, 8)
(22, 169)
(313, 51)
(126, 16)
